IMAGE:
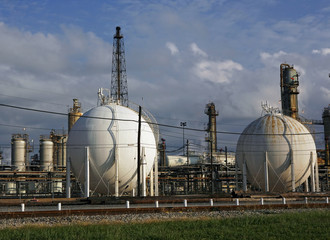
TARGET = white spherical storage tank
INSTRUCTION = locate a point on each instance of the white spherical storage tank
(277, 153)
(110, 132)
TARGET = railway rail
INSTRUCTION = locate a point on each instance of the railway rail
(136, 206)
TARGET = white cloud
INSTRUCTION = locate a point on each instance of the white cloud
(323, 51)
(172, 47)
(196, 50)
(266, 56)
(216, 71)
(37, 53)
(41, 66)
(73, 61)
(274, 60)
(326, 93)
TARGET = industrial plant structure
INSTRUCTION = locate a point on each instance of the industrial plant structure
(113, 150)
(289, 98)
(277, 152)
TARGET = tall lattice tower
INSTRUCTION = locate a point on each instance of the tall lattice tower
(119, 92)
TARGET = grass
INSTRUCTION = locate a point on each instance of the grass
(299, 225)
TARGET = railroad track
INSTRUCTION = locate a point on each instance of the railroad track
(138, 210)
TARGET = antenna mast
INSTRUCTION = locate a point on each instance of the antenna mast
(119, 92)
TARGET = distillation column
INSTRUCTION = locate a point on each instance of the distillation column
(74, 113)
(289, 90)
(212, 126)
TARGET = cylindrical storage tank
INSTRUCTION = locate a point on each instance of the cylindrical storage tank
(58, 186)
(18, 151)
(11, 188)
(110, 132)
(60, 160)
(285, 143)
(21, 186)
(46, 154)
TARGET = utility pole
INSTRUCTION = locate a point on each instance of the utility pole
(162, 150)
(188, 177)
(139, 155)
(183, 124)
(227, 169)
(187, 152)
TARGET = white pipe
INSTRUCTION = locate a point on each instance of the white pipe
(237, 202)
(306, 200)
(312, 173)
(211, 202)
(306, 186)
(116, 125)
(185, 204)
(116, 173)
(284, 200)
(68, 179)
(23, 207)
(261, 201)
(127, 204)
(87, 171)
(266, 172)
(152, 181)
(156, 204)
(293, 178)
(59, 206)
(317, 176)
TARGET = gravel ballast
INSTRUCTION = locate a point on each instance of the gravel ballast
(145, 217)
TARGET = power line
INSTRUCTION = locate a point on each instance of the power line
(19, 126)
(221, 142)
(34, 100)
(152, 123)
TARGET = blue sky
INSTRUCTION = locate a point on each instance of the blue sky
(180, 55)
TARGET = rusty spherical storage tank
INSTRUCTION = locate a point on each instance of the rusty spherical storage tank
(279, 147)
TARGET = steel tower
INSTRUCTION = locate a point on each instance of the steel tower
(119, 92)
